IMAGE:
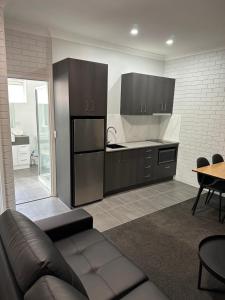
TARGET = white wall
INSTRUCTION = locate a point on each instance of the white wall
(200, 103)
(118, 63)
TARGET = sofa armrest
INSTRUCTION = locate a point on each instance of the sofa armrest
(66, 224)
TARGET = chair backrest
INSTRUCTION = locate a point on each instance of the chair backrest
(217, 158)
(203, 162)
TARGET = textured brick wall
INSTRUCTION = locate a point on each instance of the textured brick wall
(28, 55)
(200, 100)
(6, 169)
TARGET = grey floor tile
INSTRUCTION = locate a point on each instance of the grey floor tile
(104, 221)
(148, 193)
(111, 202)
(131, 211)
(130, 197)
(179, 195)
(147, 205)
(28, 187)
(94, 208)
(119, 215)
(42, 209)
(119, 208)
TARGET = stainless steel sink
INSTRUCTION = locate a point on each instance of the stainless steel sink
(115, 146)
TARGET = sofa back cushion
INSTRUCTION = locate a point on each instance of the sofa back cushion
(52, 288)
(31, 253)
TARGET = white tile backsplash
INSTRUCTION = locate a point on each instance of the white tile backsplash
(133, 128)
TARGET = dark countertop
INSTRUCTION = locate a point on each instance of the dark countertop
(21, 140)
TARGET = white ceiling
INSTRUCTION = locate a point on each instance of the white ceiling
(198, 25)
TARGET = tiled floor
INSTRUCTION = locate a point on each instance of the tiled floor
(124, 207)
(44, 208)
(120, 208)
(28, 186)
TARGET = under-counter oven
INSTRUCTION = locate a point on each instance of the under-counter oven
(167, 155)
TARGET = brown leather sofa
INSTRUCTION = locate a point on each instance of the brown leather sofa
(64, 258)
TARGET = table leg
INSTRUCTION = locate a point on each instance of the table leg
(200, 276)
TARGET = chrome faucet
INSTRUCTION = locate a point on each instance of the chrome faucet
(110, 127)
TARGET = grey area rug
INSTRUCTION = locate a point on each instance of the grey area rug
(165, 245)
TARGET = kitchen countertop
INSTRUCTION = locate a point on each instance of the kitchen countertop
(142, 144)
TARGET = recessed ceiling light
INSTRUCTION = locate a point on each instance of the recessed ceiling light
(134, 31)
(170, 42)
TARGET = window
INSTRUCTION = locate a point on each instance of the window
(17, 91)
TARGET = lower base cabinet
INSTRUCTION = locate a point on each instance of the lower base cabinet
(127, 168)
(165, 170)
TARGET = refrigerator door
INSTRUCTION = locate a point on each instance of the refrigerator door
(88, 169)
(88, 134)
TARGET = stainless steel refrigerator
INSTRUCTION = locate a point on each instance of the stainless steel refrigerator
(88, 148)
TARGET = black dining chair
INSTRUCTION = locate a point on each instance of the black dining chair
(209, 183)
(217, 158)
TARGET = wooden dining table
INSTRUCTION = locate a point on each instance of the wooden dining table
(217, 171)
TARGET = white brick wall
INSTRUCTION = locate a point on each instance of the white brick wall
(28, 55)
(6, 169)
(200, 100)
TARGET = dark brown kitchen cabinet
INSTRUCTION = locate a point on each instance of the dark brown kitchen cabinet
(136, 91)
(127, 168)
(119, 170)
(146, 163)
(132, 167)
(164, 94)
(86, 84)
(146, 94)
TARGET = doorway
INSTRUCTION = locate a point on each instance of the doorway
(30, 136)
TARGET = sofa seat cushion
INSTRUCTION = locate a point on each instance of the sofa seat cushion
(53, 288)
(145, 291)
(31, 254)
(103, 270)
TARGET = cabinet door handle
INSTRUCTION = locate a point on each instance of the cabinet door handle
(145, 107)
(148, 157)
(165, 106)
(147, 151)
(147, 176)
(148, 167)
(167, 167)
(141, 108)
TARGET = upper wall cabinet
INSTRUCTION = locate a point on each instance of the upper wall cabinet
(85, 84)
(146, 94)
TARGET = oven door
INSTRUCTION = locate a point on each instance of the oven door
(167, 155)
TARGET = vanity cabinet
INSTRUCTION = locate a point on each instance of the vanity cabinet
(21, 156)
(146, 94)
